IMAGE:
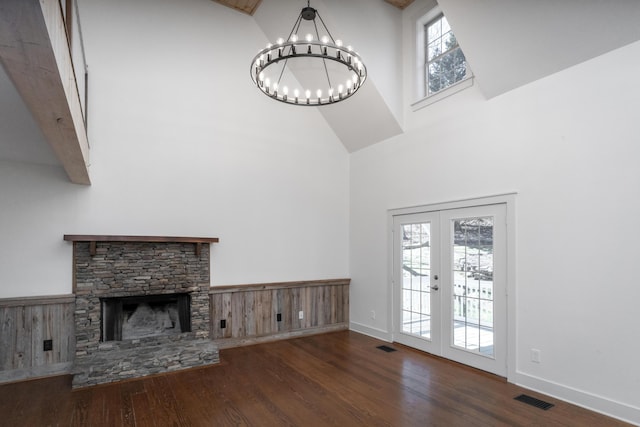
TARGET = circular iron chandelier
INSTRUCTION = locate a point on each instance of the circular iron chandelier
(339, 70)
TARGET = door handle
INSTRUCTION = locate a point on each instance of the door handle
(435, 287)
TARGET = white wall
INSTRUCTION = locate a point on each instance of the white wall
(182, 144)
(569, 146)
(377, 36)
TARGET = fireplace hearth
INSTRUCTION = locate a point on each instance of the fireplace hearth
(142, 307)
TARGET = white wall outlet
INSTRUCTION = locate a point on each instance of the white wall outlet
(373, 314)
(535, 355)
(301, 315)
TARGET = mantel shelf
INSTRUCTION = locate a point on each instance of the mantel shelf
(93, 238)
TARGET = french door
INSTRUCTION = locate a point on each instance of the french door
(449, 280)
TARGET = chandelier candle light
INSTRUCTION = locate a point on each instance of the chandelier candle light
(333, 63)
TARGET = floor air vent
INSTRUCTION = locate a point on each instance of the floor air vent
(534, 402)
(386, 348)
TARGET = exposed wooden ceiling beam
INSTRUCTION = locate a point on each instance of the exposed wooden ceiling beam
(35, 53)
(246, 6)
(401, 4)
(250, 6)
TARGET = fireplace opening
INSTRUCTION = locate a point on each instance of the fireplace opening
(125, 318)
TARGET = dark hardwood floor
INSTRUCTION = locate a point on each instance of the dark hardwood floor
(337, 379)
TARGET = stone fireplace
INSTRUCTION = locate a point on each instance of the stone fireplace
(142, 306)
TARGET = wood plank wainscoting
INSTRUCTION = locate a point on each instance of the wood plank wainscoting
(249, 314)
(26, 326)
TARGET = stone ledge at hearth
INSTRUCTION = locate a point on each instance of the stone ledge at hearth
(140, 358)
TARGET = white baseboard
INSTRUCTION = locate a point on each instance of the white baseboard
(593, 402)
(372, 332)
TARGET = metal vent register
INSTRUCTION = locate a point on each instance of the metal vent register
(534, 402)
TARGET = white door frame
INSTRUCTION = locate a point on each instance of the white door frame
(433, 343)
(509, 199)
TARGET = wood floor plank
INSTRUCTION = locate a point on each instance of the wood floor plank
(341, 396)
(80, 412)
(335, 379)
(230, 412)
(142, 416)
(128, 390)
(17, 409)
(53, 406)
(104, 409)
(389, 398)
(300, 395)
(163, 403)
(243, 381)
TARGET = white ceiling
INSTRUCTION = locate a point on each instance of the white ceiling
(508, 43)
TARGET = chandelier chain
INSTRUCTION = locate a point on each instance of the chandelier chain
(294, 30)
(324, 61)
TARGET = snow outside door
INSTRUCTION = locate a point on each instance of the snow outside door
(449, 280)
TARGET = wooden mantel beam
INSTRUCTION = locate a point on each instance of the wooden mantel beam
(143, 239)
(93, 238)
(34, 51)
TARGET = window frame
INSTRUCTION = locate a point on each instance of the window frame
(423, 98)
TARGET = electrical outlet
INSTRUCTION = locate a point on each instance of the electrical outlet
(223, 323)
(373, 314)
(535, 355)
(279, 317)
(47, 345)
(301, 315)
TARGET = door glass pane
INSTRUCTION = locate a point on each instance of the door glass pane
(472, 295)
(416, 273)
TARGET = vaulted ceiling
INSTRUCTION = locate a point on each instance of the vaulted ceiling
(250, 6)
(508, 44)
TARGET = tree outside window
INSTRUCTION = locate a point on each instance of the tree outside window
(446, 64)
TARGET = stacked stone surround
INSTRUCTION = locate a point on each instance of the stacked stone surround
(123, 269)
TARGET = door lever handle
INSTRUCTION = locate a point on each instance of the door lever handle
(435, 287)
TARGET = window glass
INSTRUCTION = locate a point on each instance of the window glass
(445, 62)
